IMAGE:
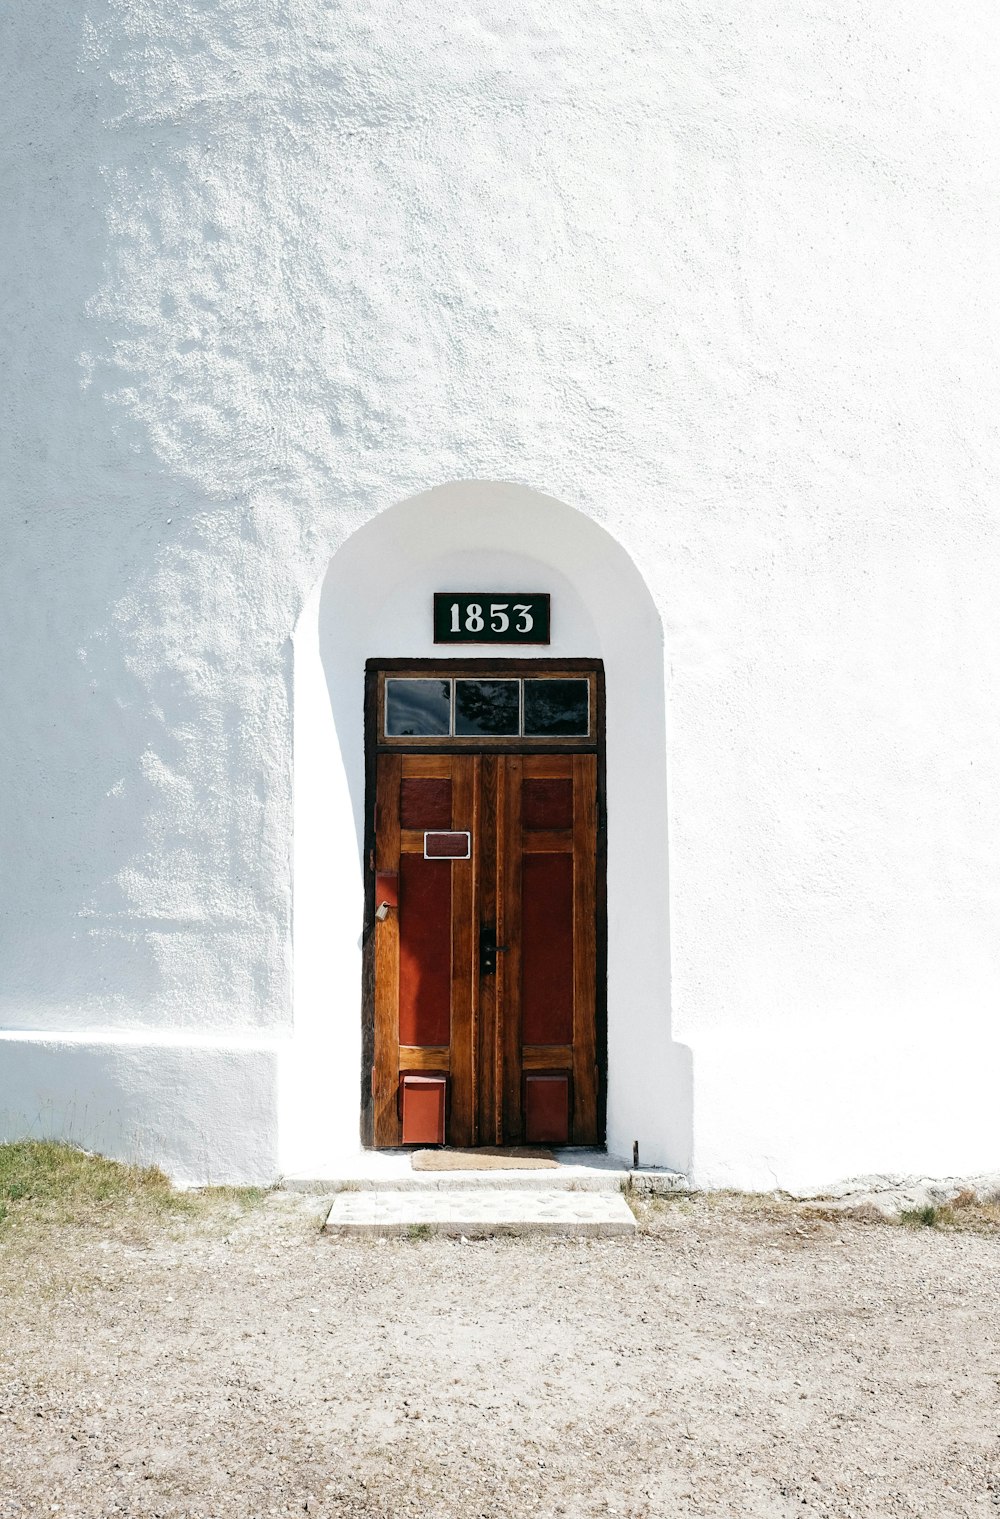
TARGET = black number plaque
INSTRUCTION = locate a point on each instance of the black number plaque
(491, 617)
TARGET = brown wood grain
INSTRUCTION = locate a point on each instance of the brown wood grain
(509, 933)
(429, 765)
(544, 767)
(425, 1057)
(584, 949)
(464, 961)
(477, 743)
(547, 1057)
(551, 841)
(485, 834)
(386, 1071)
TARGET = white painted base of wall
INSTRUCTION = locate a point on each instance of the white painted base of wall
(772, 1108)
(203, 1109)
(801, 1108)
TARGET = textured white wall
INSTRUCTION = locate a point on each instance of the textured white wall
(722, 278)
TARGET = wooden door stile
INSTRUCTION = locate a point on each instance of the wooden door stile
(509, 971)
(465, 956)
(486, 916)
(585, 1073)
(384, 1076)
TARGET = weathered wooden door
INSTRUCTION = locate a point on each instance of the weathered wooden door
(485, 949)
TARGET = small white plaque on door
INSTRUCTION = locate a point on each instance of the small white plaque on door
(447, 846)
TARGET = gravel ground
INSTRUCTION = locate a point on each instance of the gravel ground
(734, 1359)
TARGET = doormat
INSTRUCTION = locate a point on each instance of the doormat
(489, 1158)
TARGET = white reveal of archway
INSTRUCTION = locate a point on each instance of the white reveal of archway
(375, 601)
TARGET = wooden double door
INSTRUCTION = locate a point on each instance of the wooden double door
(485, 964)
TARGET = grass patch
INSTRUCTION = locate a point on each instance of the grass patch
(48, 1172)
(966, 1213)
(45, 1182)
(926, 1217)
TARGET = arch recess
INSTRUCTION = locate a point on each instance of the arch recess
(375, 601)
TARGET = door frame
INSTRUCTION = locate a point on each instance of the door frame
(484, 668)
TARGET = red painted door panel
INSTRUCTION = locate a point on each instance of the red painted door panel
(547, 983)
(423, 1099)
(546, 1108)
(424, 951)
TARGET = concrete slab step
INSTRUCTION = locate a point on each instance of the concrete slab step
(646, 1183)
(478, 1213)
(577, 1171)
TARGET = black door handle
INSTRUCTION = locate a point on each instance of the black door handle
(489, 949)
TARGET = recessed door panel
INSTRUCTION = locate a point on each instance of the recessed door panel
(425, 801)
(547, 803)
(425, 928)
(547, 980)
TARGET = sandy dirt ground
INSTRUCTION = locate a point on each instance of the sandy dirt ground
(731, 1360)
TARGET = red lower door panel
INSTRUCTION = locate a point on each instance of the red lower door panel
(423, 1104)
(546, 1109)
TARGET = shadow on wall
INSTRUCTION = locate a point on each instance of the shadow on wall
(376, 602)
(205, 1117)
(149, 681)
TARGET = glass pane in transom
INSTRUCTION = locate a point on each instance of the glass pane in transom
(417, 708)
(556, 708)
(487, 708)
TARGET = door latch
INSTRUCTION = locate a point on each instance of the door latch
(489, 949)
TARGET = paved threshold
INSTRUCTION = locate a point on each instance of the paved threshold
(577, 1171)
(479, 1213)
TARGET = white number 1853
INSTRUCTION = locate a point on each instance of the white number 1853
(499, 620)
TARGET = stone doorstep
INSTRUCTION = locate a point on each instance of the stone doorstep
(480, 1213)
(588, 1171)
(646, 1184)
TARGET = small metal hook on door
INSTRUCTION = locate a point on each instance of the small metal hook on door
(386, 893)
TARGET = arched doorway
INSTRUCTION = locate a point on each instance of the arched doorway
(375, 604)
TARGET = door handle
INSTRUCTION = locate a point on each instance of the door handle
(489, 949)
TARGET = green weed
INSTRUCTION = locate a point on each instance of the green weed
(46, 1182)
(927, 1217)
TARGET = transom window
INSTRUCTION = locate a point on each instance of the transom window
(497, 707)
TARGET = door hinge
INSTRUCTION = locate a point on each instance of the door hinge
(373, 1081)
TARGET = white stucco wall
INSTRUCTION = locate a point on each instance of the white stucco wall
(721, 280)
